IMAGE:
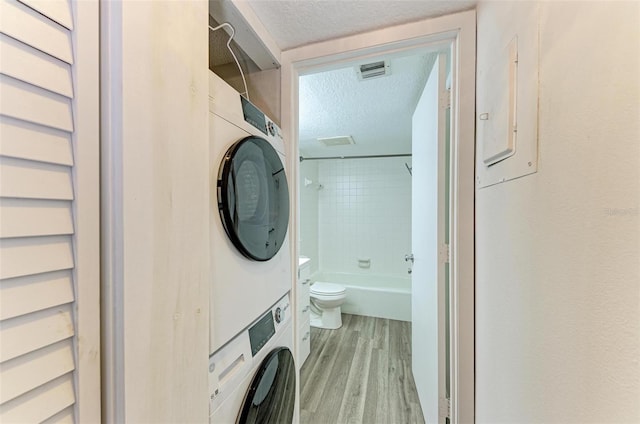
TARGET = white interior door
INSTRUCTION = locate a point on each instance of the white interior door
(428, 240)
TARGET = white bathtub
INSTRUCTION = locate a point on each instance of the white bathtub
(373, 295)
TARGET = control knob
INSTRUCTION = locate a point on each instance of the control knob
(278, 315)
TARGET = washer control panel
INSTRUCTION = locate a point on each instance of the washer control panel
(266, 326)
(235, 361)
(261, 332)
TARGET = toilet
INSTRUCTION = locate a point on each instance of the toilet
(326, 299)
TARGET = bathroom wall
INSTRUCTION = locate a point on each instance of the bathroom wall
(364, 212)
(557, 294)
(309, 212)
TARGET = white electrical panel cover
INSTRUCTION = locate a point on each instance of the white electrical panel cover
(507, 101)
(497, 126)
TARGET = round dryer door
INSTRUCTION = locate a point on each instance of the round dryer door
(253, 198)
(271, 396)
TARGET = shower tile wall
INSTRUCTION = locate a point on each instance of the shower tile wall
(364, 212)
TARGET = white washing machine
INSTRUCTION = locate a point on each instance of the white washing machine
(252, 379)
(249, 200)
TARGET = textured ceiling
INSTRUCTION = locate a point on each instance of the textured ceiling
(293, 23)
(376, 113)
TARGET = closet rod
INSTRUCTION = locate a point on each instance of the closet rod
(357, 157)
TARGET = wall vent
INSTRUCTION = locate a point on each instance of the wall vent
(373, 70)
(337, 141)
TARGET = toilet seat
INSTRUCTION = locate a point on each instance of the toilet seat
(327, 289)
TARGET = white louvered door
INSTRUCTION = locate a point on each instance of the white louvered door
(49, 211)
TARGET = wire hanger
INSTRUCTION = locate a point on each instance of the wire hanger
(233, 32)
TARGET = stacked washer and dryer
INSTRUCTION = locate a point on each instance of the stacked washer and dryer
(252, 375)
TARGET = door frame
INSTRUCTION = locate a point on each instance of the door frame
(460, 31)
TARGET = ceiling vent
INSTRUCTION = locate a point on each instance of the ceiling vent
(342, 140)
(373, 70)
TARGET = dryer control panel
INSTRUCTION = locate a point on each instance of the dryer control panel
(259, 120)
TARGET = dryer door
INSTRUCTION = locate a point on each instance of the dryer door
(253, 198)
(272, 394)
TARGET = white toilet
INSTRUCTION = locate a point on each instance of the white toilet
(327, 298)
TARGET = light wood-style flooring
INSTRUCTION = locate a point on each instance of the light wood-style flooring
(360, 373)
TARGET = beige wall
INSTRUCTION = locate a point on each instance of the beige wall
(558, 268)
(157, 209)
(263, 86)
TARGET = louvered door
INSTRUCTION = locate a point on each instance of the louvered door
(49, 211)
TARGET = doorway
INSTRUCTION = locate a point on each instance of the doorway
(456, 32)
(355, 184)
(355, 207)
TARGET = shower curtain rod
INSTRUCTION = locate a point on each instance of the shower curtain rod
(357, 157)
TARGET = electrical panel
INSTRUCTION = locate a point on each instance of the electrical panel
(507, 102)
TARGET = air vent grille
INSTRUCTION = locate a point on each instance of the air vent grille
(337, 141)
(373, 70)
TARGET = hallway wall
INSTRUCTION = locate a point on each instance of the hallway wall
(156, 211)
(557, 297)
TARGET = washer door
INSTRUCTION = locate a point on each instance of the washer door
(253, 198)
(271, 396)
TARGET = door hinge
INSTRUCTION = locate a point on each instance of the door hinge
(444, 254)
(445, 408)
(445, 98)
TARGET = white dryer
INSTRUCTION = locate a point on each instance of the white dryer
(249, 199)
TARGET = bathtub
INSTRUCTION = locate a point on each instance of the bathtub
(373, 295)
